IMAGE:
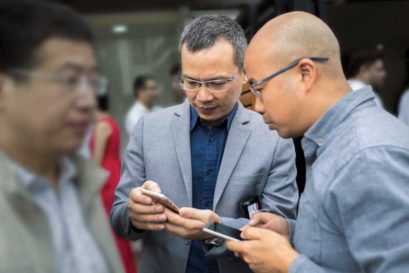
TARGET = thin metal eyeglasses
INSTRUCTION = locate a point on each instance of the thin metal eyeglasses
(97, 83)
(216, 85)
(254, 83)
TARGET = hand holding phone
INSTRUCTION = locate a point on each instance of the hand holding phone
(143, 212)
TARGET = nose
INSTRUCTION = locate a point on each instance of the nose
(86, 99)
(258, 105)
(204, 95)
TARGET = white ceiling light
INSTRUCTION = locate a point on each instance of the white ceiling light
(119, 29)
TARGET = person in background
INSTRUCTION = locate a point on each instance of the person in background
(146, 93)
(52, 217)
(353, 214)
(174, 76)
(105, 149)
(403, 109)
(367, 67)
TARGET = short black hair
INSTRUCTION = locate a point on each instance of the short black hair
(26, 24)
(362, 58)
(140, 83)
(205, 30)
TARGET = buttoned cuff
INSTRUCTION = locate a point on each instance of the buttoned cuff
(297, 264)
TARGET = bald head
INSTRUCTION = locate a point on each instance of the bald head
(294, 35)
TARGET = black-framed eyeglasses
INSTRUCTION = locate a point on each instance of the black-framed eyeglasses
(76, 83)
(216, 85)
(254, 83)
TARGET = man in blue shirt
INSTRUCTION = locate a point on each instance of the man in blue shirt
(208, 155)
(353, 215)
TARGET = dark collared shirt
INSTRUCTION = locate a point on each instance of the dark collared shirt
(207, 147)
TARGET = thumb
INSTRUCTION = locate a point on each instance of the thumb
(152, 186)
(259, 218)
(252, 233)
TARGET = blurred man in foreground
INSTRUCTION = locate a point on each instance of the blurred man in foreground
(52, 219)
(353, 215)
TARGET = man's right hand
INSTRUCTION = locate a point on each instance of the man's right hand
(143, 212)
(270, 221)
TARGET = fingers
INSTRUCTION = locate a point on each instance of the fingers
(186, 223)
(138, 197)
(147, 218)
(205, 216)
(144, 209)
(152, 186)
(260, 218)
(148, 226)
(253, 233)
(142, 212)
(236, 247)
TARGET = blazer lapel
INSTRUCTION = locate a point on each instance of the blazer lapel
(181, 137)
(236, 141)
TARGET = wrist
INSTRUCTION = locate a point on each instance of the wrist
(288, 260)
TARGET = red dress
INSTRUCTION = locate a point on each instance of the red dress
(112, 163)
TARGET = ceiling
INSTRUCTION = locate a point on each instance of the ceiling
(109, 6)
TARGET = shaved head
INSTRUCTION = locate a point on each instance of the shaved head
(291, 101)
(294, 35)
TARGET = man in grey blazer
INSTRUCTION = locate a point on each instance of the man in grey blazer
(208, 155)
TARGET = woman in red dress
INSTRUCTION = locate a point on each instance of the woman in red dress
(105, 146)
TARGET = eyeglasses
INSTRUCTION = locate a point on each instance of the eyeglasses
(77, 83)
(254, 83)
(216, 85)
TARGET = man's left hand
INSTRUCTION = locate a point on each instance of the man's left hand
(263, 250)
(189, 222)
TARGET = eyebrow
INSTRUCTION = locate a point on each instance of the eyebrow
(77, 67)
(205, 80)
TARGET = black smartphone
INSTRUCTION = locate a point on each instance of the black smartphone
(223, 231)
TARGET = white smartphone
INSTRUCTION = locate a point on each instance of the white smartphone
(162, 199)
(223, 231)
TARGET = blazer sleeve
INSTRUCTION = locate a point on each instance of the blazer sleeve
(280, 194)
(132, 175)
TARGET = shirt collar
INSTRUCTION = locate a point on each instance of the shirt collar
(334, 116)
(33, 182)
(194, 117)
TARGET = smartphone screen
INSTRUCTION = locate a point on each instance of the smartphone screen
(223, 231)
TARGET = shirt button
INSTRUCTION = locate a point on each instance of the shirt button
(207, 204)
(320, 141)
(211, 139)
(187, 243)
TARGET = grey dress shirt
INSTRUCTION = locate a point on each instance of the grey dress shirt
(354, 212)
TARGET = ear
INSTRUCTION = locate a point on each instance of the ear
(307, 70)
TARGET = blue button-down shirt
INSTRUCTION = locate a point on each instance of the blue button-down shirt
(354, 213)
(207, 146)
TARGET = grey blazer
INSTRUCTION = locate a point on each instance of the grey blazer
(256, 162)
